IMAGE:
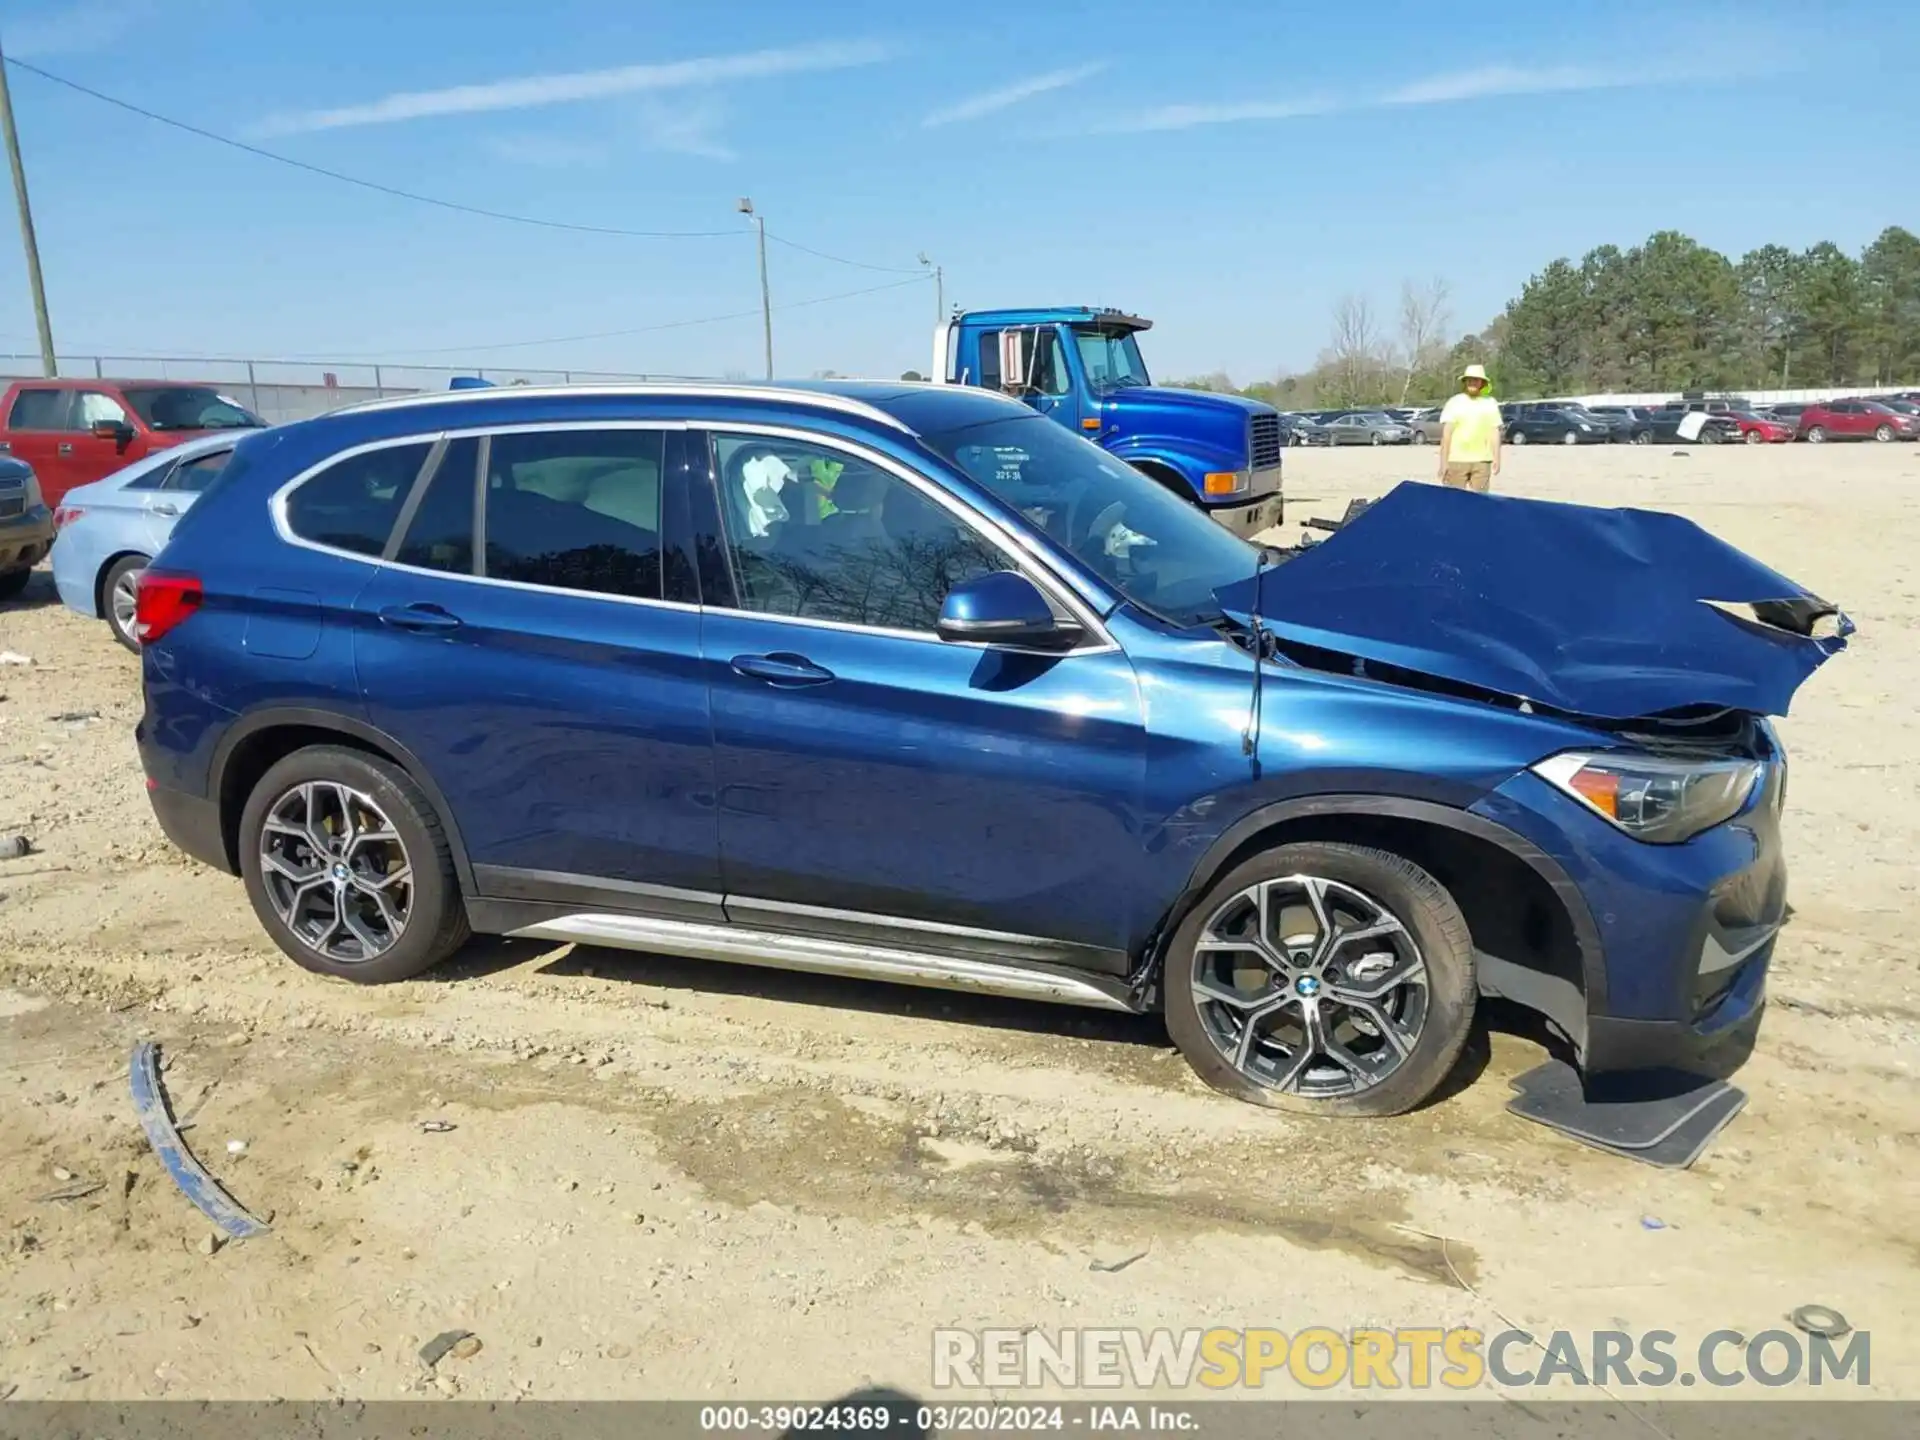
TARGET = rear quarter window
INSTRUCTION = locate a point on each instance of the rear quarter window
(353, 503)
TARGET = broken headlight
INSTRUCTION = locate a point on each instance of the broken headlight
(1651, 797)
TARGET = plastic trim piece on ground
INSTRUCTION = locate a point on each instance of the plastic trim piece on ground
(1662, 1118)
(150, 1104)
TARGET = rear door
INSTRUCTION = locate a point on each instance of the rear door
(525, 638)
(39, 432)
(92, 458)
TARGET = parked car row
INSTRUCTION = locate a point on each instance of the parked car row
(1720, 421)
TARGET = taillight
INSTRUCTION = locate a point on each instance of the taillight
(65, 515)
(161, 602)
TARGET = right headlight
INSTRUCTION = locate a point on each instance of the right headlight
(1652, 797)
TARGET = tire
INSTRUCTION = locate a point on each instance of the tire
(312, 787)
(1709, 437)
(1572, 437)
(116, 598)
(1375, 439)
(1438, 1001)
(1754, 437)
(12, 582)
(1883, 433)
(1643, 437)
(1519, 437)
(1816, 434)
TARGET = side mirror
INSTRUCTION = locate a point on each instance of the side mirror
(117, 431)
(1003, 608)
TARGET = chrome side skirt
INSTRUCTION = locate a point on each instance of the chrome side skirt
(817, 955)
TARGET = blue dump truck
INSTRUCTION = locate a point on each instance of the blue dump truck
(1083, 368)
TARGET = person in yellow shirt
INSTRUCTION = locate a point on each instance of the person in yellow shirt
(1470, 434)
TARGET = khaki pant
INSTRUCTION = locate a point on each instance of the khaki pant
(1469, 475)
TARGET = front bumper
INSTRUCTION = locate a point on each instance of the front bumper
(25, 539)
(1685, 933)
(1247, 518)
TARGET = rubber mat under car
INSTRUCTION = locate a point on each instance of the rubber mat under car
(1663, 1118)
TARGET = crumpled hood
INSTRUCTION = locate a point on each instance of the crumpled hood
(1612, 614)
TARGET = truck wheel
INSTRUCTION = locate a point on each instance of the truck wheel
(348, 867)
(12, 582)
(1325, 979)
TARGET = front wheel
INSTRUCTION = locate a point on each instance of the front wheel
(1375, 439)
(1572, 437)
(348, 867)
(1643, 437)
(1754, 437)
(1883, 433)
(119, 589)
(1323, 978)
(1519, 437)
(1816, 434)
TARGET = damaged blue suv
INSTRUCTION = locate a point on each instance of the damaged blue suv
(909, 683)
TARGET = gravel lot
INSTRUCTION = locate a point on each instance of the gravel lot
(673, 1179)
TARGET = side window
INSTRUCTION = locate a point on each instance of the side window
(440, 534)
(989, 368)
(93, 406)
(196, 474)
(40, 410)
(1050, 370)
(820, 535)
(352, 504)
(576, 510)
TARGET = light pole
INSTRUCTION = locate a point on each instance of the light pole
(48, 362)
(939, 289)
(745, 207)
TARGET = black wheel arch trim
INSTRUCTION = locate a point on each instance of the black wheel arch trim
(1312, 807)
(283, 717)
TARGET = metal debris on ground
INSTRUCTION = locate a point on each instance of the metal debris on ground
(1822, 1320)
(15, 847)
(1114, 1267)
(1652, 1222)
(78, 1190)
(437, 1127)
(445, 1343)
(150, 1105)
(14, 657)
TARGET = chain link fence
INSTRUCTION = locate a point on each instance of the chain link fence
(283, 390)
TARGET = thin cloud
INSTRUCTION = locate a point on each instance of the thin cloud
(546, 152)
(992, 101)
(73, 29)
(535, 91)
(1448, 88)
(686, 130)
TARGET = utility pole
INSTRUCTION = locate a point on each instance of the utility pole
(48, 362)
(745, 207)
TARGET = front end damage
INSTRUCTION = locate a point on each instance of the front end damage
(1666, 644)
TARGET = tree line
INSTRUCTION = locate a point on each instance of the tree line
(1667, 315)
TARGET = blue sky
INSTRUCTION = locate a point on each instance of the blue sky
(1229, 169)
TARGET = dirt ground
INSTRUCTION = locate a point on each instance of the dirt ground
(670, 1179)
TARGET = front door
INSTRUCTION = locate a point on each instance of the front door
(873, 775)
(525, 639)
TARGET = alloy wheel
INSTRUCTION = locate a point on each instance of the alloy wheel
(1310, 986)
(336, 871)
(1570, 438)
(122, 602)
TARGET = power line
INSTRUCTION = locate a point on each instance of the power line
(839, 259)
(373, 185)
(643, 329)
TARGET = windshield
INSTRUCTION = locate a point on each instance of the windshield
(1111, 359)
(190, 407)
(1153, 547)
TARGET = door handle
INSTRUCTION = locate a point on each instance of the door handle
(65, 447)
(166, 510)
(782, 668)
(421, 619)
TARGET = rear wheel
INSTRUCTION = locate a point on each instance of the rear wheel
(348, 867)
(118, 593)
(1572, 437)
(1375, 439)
(1883, 433)
(1519, 437)
(1817, 434)
(1323, 978)
(1754, 437)
(1643, 437)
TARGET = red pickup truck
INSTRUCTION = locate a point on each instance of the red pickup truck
(73, 432)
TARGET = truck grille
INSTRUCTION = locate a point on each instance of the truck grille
(1263, 441)
(13, 497)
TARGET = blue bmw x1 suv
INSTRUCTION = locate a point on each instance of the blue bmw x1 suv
(907, 682)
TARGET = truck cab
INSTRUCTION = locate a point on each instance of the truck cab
(1082, 368)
